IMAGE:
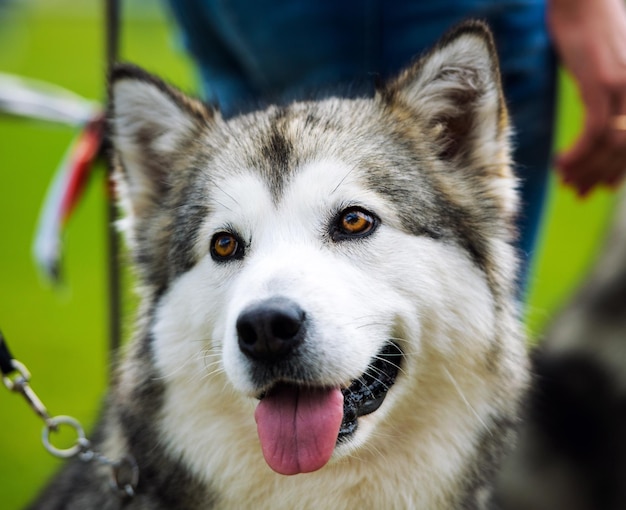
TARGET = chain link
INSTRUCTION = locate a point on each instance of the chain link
(124, 472)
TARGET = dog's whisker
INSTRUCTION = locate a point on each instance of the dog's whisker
(383, 435)
(374, 449)
(208, 354)
(216, 361)
(208, 366)
(376, 379)
(219, 202)
(177, 370)
(342, 180)
(371, 324)
(235, 201)
(201, 356)
(212, 373)
(467, 403)
(212, 367)
(391, 363)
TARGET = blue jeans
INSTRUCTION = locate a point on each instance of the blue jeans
(264, 50)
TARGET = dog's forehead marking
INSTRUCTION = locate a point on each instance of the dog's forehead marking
(328, 183)
(314, 191)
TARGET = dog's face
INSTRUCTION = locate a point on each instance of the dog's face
(321, 262)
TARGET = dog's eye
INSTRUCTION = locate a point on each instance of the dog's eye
(225, 246)
(354, 222)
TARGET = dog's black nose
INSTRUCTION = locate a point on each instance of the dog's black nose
(271, 329)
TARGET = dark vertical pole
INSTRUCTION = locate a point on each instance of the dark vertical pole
(114, 281)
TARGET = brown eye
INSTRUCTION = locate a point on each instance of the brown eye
(225, 246)
(354, 222)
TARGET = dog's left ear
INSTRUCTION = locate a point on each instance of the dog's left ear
(151, 124)
(454, 92)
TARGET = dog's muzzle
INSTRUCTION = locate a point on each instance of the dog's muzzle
(299, 423)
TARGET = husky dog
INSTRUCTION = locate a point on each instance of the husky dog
(328, 292)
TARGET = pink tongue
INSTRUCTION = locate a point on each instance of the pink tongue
(298, 427)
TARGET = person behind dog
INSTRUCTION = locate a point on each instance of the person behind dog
(262, 51)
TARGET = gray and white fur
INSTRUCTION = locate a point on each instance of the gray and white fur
(386, 220)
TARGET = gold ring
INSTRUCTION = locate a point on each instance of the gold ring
(618, 122)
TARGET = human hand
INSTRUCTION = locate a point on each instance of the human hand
(590, 37)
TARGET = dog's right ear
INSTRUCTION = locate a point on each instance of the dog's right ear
(454, 90)
(151, 123)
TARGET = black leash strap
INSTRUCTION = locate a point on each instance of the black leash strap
(112, 16)
(6, 360)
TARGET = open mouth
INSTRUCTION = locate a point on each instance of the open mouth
(367, 393)
(300, 426)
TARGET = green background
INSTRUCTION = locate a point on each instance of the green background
(60, 334)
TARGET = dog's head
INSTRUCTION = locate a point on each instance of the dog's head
(324, 259)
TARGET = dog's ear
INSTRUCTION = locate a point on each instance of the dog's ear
(454, 92)
(151, 124)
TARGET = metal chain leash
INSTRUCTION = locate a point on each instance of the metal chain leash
(16, 378)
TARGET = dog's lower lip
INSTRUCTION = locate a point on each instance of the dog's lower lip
(366, 394)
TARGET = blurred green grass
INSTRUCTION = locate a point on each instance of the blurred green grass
(61, 335)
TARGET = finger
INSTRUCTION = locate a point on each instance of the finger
(588, 168)
(615, 175)
(617, 140)
(617, 179)
(597, 108)
(581, 167)
(568, 162)
(605, 165)
(587, 171)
